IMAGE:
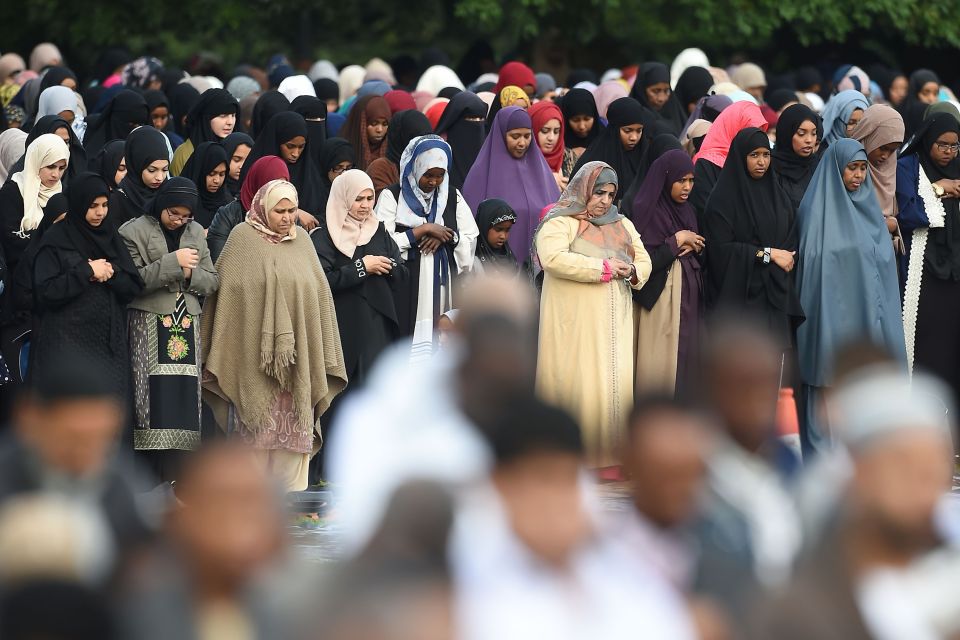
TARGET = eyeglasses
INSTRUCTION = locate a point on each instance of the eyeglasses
(176, 217)
(944, 147)
(339, 170)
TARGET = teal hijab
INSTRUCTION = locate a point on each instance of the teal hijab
(847, 272)
(837, 113)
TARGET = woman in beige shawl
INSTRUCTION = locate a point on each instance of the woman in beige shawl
(273, 295)
(881, 132)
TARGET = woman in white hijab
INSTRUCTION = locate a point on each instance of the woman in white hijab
(351, 77)
(295, 86)
(438, 77)
(687, 58)
(58, 101)
(323, 69)
(12, 145)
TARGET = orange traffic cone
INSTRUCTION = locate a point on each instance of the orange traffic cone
(788, 423)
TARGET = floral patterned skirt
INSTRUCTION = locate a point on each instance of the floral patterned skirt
(166, 375)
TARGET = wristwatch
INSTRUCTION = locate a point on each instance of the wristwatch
(938, 190)
(764, 255)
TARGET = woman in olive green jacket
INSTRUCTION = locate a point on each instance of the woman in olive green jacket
(170, 252)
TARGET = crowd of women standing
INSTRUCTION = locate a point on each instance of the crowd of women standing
(243, 254)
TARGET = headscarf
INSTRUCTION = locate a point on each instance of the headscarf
(608, 148)
(295, 86)
(728, 124)
(434, 110)
(881, 125)
(785, 162)
(351, 77)
(545, 84)
(692, 138)
(510, 96)
(516, 74)
(837, 113)
(268, 105)
(855, 78)
(654, 213)
(327, 89)
(652, 73)
(399, 101)
(580, 102)
(175, 192)
(708, 108)
(373, 88)
(242, 86)
(464, 137)
(404, 127)
(490, 213)
(606, 93)
(230, 144)
(346, 230)
(748, 75)
(205, 159)
(778, 99)
(323, 70)
(45, 54)
(366, 110)
(106, 163)
(693, 84)
(945, 107)
(527, 184)
(46, 150)
(52, 124)
(841, 234)
(768, 212)
(212, 103)
(378, 69)
(314, 111)
(141, 72)
(687, 58)
(283, 127)
(438, 77)
(10, 64)
(182, 98)
(57, 99)
(155, 98)
(422, 154)
(334, 151)
(143, 147)
(540, 114)
(912, 108)
(579, 76)
(942, 255)
(262, 171)
(264, 201)
(12, 147)
(661, 144)
(126, 110)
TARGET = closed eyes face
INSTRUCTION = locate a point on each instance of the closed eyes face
(601, 200)
(854, 174)
(518, 141)
(854, 120)
(51, 174)
(155, 173)
(237, 159)
(630, 136)
(658, 94)
(362, 205)
(291, 150)
(280, 219)
(881, 154)
(581, 125)
(549, 135)
(97, 211)
(431, 179)
(216, 177)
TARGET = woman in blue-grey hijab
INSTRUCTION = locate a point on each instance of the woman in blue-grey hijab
(841, 114)
(846, 276)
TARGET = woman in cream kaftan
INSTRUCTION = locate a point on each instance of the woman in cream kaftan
(591, 257)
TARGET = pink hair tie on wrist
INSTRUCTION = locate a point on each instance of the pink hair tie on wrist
(607, 275)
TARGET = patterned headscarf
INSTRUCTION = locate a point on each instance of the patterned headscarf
(266, 199)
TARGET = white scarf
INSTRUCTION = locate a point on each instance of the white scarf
(46, 150)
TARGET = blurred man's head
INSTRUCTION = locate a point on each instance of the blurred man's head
(539, 458)
(230, 524)
(897, 432)
(742, 367)
(71, 419)
(664, 456)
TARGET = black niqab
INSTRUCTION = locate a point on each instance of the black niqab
(464, 137)
(125, 111)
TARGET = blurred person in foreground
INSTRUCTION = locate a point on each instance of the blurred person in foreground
(212, 578)
(423, 420)
(747, 532)
(64, 441)
(855, 582)
(528, 557)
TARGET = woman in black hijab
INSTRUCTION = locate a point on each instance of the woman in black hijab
(693, 84)
(623, 143)
(55, 124)
(463, 126)
(336, 157)
(109, 163)
(928, 198)
(583, 125)
(314, 111)
(658, 146)
(207, 169)
(328, 91)
(146, 157)
(161, 115)
(652, 89)
(751, 238)
(238, 146)
(268, 105)
(125, 111)
(795, 156)
(211, 119)
(404, 127)
(922, 91)
(83, 280)
(286, 136)
(182, 98)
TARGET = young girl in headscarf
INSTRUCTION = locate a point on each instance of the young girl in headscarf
(436, 232)
(548, 127)
(238, 146)
(495, 218)
(670, 313)
(147, 162)
(623, 143)
(83, 280)
(207, 169)
(512, 167)
(582, 125)
(795, 157)
(171, 256)
(211, 119)
(366, 129)
(846, 278)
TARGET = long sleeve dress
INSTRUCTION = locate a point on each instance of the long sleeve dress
(585, 361)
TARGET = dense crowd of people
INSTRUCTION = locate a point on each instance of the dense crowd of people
(218, 291)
